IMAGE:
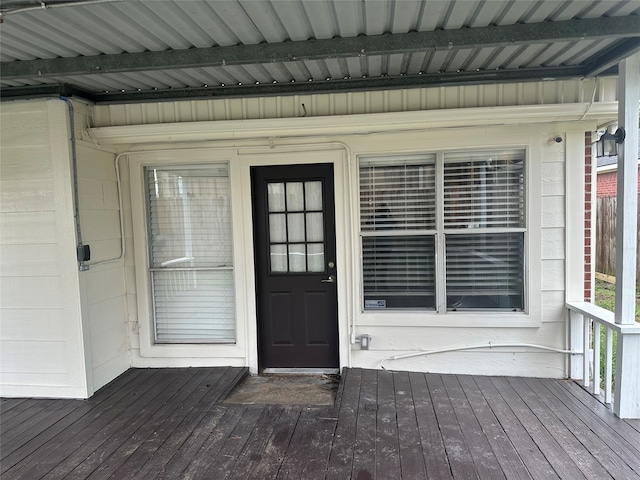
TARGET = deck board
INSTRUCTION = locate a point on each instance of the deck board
(342, 454)
(364, 445)
(274, 452)
(484, 459)
(594, 445)
(153, 435)
(170, 423)
(250, 456)
(433, 450)
(546, 413)
(457, 450)
(505, 453)
(411, 457)
(387, 448)
(534, 460)
(548, 445)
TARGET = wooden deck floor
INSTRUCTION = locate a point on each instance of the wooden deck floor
(169, 424)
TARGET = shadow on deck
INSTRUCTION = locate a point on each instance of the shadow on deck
(169, 423)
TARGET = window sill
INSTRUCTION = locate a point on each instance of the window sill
(191, 350)
(450, 319)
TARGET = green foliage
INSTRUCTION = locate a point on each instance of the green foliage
(606, 296)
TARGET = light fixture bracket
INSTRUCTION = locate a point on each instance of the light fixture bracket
(620, 135)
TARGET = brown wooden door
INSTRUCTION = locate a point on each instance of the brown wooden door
(295, 251)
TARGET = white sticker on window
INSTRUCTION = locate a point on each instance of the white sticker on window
(375, 304)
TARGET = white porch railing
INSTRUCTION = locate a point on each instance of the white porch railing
(586, 323)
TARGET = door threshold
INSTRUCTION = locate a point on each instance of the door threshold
(301, 371)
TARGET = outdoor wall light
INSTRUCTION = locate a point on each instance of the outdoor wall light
(607, 145)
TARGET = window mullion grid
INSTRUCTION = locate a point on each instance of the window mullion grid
(286, 226)
(441, 260)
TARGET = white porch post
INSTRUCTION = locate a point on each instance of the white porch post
(627, 381)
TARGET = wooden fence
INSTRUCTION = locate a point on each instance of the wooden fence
(606, 237)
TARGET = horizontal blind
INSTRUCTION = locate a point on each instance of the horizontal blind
(397, 193)
(190, 217)
(398, 266)
(484, 189)
(191, 254)
(485, 265)
(194, 305)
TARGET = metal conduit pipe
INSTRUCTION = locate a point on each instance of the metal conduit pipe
(473, 347)
(80, 248)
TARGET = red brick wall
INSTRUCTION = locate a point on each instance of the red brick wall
(607, 184)
(588, 281)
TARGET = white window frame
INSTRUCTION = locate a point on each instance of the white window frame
(531, 314)
(179, 266)
(192, 353)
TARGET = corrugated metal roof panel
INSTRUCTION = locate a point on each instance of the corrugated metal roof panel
(146, 25)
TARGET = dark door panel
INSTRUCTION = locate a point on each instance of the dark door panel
(294, 219)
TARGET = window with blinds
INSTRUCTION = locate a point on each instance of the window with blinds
(191, 254)
(472, 202)
(397, 221)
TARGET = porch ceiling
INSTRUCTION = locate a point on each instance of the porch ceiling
(115, 51)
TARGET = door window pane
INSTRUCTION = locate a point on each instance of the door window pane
(315, 257)
(277, 227)
(275, 195)
(295, 197)
(295, 224)
(315, 227)
(313, 196)
(297, 257)
(279, 258)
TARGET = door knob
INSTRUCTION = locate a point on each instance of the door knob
(331, 279)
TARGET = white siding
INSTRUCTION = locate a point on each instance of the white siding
(41, 336)
(350, 103)
(43, 294)
(103, 285)
(401, 333)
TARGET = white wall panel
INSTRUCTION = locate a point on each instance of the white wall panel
(529, 93)
(41, 335)
(14, 225)
(552, 174)
(26, 195)
(543, 365)
(21, 323)
(27, 163)
(545, 323)
(553, 309)
(553, 274)
(103, 285)
(553, 211)
(553, 243)
(415, 339)
(30, 259)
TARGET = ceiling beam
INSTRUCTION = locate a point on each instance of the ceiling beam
(324, 86)
(612, 57)
(50, 90)
(480, 37)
